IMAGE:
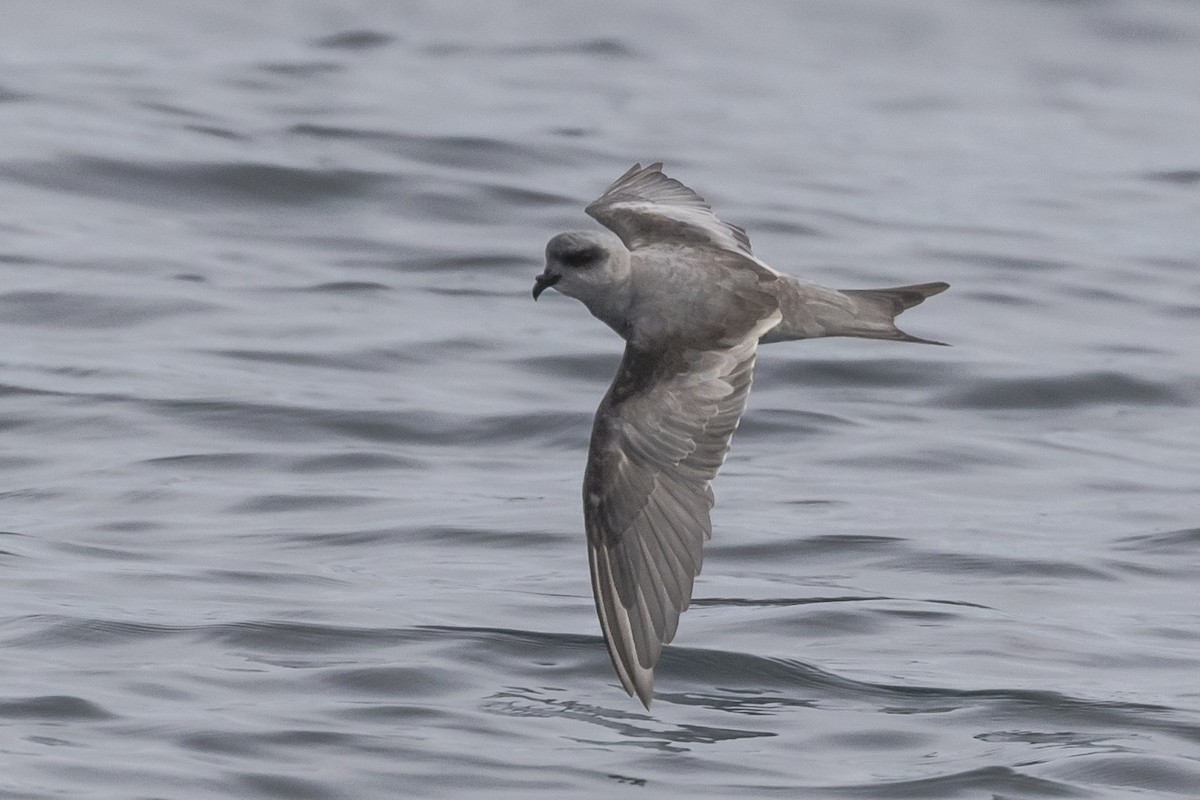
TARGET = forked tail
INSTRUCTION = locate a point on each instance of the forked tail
(876, 311)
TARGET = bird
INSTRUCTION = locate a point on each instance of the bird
(693, 303)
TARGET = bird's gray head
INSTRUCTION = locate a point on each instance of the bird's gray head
(591, 266)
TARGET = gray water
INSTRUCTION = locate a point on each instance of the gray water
(290, 461)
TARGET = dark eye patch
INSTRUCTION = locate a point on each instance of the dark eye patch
(582, 257)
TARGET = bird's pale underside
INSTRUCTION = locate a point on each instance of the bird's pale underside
(693, 303)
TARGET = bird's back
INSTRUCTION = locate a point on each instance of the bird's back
(700, 297)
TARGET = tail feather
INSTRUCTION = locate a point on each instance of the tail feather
(811, 311)
(900, 297)
(884, 305)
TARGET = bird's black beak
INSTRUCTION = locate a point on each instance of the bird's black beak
(543, 282)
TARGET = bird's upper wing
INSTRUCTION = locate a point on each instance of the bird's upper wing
(644, 206)
(660, 435)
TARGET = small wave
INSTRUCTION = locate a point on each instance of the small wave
(81, 310)
(54, 707)
(810, 547)
(360, 39)
(1180, 542)
(997, 782)
(1179, 177)
(603, 47)
(353, 462)
(1141, 772)
(290, 503)
(8, 95)
(456, 153)
(267, 422)
(300, 69)
(590, 367)
(193, 185)
(877, 372)
(1065, 391)
(959, 564)
(342, 287)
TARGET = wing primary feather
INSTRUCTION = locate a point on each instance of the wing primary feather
(662, 608)
(618, 638)
(676, 560)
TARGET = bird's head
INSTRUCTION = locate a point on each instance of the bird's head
(591, 266)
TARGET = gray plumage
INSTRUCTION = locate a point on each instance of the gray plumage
(692, 302)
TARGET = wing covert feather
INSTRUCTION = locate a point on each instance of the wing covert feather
(644, 206)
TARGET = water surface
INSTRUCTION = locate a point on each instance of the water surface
(290, 471)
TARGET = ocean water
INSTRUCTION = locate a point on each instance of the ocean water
(290, 461)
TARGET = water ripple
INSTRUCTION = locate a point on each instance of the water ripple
(189, 185)
(1067, 391)
(62, 708)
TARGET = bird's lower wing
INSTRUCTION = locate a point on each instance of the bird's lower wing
(660, 436)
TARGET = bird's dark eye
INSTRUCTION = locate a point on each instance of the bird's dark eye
(583, 257)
